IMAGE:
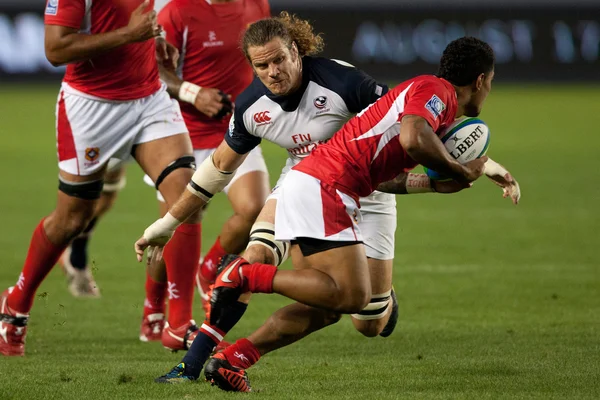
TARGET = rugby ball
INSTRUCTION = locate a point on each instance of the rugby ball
(466, 139)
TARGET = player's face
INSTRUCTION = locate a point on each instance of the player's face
(483, 86)
(278, 68)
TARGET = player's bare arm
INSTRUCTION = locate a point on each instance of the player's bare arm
(209, 101)
(64, 45)
(167, 55)
(503, 178)
(409, 183)
(209, 179)
(422, 145)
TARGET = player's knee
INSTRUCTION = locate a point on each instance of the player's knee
(263, 247)
(259, 254)
(370, 328)
(249, 209)
(354, 300)
(371, 320)
(177, 174)
(74, 215)
(106, 202)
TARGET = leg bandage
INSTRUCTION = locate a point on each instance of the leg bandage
(377, 307)
(263, 233)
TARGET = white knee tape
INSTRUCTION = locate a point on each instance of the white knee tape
(114, 186)
(263, 233)
(377, 307)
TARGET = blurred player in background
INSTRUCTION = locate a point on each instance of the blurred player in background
(74, 260)
(111, 105)
(211, 73)
(299, 102)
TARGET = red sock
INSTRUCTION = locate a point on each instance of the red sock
(208, 268)
(41, 257)
(242, 354)
(156, 292)
(259, 277)
(181, 255)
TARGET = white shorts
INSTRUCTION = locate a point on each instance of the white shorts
(306, 208)
(378, 223)
(253, 162)
(90, 131)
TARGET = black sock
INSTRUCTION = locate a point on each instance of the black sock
(210, 336)
(79, 247)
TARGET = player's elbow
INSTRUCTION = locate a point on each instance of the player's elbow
(53, 55)
(410, 141)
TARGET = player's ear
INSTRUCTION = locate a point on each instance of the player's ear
(479, 83)
(294, 50)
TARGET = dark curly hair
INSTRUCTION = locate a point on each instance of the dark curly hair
(464, 59)
(287, 27)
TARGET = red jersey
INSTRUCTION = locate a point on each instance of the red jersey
(367, 150)
(125, 73)
(208, 38)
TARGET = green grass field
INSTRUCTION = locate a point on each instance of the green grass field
(497, 301)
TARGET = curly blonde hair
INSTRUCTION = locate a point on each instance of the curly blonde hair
(289, 28)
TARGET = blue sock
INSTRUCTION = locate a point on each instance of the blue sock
(79, 247)
(210, 336)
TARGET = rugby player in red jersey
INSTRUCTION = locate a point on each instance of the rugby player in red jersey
(210, 75)
(111, 105)
(318, 208)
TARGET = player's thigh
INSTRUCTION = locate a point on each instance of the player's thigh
(324, 223)
(249, 188)
(346, 266)
(163, 141)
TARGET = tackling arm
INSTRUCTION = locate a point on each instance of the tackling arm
(210, 178)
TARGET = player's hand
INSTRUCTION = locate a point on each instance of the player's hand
(213, 103)
(142, 24)
(155, 236)
(501, 177)
(449, 186)
(166, 54)
(474, 169)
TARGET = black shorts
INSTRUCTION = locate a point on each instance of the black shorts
(310, 246)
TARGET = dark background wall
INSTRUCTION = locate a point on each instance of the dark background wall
(534, 40)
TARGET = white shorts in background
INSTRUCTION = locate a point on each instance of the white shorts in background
(90, 130)
(253, 162)
(306, 208)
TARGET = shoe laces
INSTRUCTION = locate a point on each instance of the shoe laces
(177, 371)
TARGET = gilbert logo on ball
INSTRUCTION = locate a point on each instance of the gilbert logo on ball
(466, 139)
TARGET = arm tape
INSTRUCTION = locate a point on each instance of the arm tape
(188, 92)
(208, 180)
(492, 168)
(418, 183)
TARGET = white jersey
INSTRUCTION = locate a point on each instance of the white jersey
(331, 94)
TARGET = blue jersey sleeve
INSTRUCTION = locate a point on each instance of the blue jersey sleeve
(238, 137)
(363, 90)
